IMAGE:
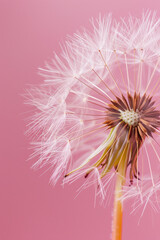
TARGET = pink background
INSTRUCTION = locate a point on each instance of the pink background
(31, 209)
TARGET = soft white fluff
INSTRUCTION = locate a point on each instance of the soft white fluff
(66, 127)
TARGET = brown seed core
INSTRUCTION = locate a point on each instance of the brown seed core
(136, 113)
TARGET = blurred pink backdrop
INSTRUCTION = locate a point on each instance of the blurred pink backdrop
(31, 209)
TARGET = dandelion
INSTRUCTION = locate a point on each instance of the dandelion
(98, 114)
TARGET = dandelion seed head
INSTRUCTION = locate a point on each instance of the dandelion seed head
(99, 106)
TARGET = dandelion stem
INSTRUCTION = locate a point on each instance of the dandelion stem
(118, 210)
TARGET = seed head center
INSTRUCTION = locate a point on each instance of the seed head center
(130, 117)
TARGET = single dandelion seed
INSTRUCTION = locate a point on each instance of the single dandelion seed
(100, 105)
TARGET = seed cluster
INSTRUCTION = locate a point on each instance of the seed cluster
(137, 114)
(135, 117)
(130, 117)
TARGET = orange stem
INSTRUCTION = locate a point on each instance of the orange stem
(118, 210)
(118, 206)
